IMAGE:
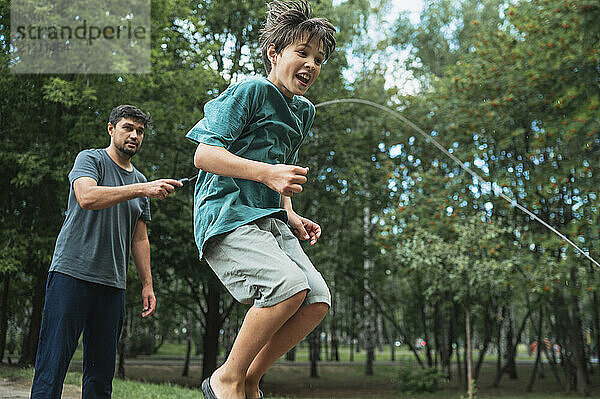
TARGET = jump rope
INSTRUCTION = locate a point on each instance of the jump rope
(474, 174)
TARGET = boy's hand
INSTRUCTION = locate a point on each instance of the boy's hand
(304, 228)
(286, 179)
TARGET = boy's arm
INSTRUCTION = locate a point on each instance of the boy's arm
(302, 227)
(284, 179)
(92, 196)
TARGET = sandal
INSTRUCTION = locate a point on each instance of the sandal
(260, 397)
(207, 390)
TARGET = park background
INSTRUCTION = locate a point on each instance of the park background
(436, 280)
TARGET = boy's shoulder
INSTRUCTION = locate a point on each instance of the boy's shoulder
(261, 87)
(249, 85)
(304, 102)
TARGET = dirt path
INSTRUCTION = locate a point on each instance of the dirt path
(20, 389)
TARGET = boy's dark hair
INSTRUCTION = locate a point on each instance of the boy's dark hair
(288, 21)
(129, 112)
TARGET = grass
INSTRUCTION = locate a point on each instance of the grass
(292, 381)
(174, 349)
(122, 389)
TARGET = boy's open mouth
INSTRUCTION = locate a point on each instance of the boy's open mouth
(304, 78)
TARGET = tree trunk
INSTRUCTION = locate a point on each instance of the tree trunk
(290, 356)
(436, 334)
(562, 332)
(370, 355)
(578, 342)
(30, 342)
(326, 347)
(4, 313)
(552, 362)
(198, 340)
(335, 347)
(539, 345)
(511, 366)
(457, 349)
(391, 340)
(335, 343)
(446, 346)
(369, 332)
(313, 351)
(459, 369)
(353, 322)
(487, 339)
(423, 314)
(210, 342)
(501, 314)
(380, 339)
(399, 330)
(596, 318)
(188, 350)
(469, 353)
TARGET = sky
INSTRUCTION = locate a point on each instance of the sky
(395, 76)
(414, 7)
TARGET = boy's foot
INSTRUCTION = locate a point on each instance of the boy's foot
(260, 395)
(207, 390)
(218, 386)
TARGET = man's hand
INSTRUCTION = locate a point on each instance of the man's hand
(161, 188)
(304, 228)
(285, 179)
(148, 301)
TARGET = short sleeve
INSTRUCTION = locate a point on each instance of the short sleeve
(146, 216)
(308, 117)
(86, 165)
(224, 118)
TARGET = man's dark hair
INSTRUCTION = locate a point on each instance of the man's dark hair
(289, 21)
(129, 112)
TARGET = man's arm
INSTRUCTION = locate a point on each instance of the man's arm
(140, 251)
(92, 196)
(285, 179)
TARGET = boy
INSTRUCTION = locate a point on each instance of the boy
(247, 146)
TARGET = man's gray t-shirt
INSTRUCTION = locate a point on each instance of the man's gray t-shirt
(94, 245)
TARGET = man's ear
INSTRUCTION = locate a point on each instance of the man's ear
(110, 128)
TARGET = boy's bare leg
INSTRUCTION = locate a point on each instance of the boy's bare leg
(297, 327)
(259, 325)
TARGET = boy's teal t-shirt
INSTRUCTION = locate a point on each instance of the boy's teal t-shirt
(254, 120)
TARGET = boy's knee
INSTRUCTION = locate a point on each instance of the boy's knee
(319, 292)
(318, 309)
(293, 303)
(299, 297)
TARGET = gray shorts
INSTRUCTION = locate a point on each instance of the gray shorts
(262, 263)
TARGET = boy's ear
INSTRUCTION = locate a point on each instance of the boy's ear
(271, 53)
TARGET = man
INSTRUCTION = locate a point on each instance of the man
(106, 217)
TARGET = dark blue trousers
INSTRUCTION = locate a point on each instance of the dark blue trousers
(74, 306)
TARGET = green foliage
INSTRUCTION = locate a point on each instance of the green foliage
(414, 380)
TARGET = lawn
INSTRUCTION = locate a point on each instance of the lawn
(402, 353)
(293, 381)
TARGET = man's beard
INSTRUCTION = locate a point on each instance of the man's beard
(127, 151)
